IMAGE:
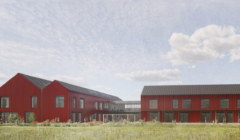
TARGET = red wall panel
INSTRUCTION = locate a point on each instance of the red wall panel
(20, 90)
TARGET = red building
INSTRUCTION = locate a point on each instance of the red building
(191, 103)
(25, 94)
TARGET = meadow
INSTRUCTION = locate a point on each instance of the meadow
(120, 131)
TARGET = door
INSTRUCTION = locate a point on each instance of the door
(99, 117)
(220, 116)
(79, 117)
(230, 117)
(169, 116)
(154, 115)
(207, 116)
(5, 116)
(184, 117)
(73, 117)
(27, 114)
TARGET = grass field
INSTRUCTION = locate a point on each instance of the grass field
(114, 131)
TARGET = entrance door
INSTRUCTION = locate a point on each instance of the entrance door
(230, 117)
(5, 116)
(73, 117)
(169, 116)
(206, 115)
(220, 116)
(79, 117)
(154, 115)
(184, 117)
(27, 114)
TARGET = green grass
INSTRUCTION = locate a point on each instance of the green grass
(111, 131)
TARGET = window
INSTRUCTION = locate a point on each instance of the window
(99, 117)
(96, 105)
(73, 117)
(95, 116)
(74, 102)
(175, 103)
(100, 106)
(238, 103)
(186, 103)
(224, 103)
(153, 103)
(204, 103)
(79, 117)
(4, 102)
(59, 101)
(34, 101)
(106, 106)
(81, 103)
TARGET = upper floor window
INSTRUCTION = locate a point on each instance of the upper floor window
(175, 103)
(153, 103)
(106, 106)
(4, 102)
(74, 102)
(205, 103)
(100, 106)
(81, 103)
(238, 103)
(224, 103)
(34, 101)
(59, 101)
(96, 105)
(186, 103)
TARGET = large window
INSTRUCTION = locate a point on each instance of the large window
(238, 103)
(81, 103)
(74, 102)
(59, 101)
(224, 103)
(186, 103)
(96, 105)
(99, 117)
(153, 103)
(100, 106)
(175, 103)
(34, 101)
(4, 102)
(205, 103)
(106, 106)
(73, 117)
(95, 116)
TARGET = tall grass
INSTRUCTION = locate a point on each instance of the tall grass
(112, 131)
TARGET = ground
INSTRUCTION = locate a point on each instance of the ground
(118, 131)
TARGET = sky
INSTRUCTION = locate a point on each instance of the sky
(120, 46)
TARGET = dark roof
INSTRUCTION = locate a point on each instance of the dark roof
(88, 91)
(40, 83)
(191, 89)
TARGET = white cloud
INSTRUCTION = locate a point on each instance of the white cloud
(152, 76)
(101, 88)
(193, 67)
(3, 77)
(207, 43)
(171, 83)
(137, 91)
(78, 81)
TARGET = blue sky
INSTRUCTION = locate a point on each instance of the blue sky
(118, 47)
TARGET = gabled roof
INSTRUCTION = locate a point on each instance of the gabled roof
(40, 83)
(191, 89)
(88, 91)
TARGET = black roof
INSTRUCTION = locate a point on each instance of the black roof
(191, 89)
(40, 83)
(88, 91)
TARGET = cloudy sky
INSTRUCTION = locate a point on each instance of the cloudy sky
(119, 46)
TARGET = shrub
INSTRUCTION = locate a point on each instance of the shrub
(69, 121)
(32, 117)
(13, 118)
(124, 121)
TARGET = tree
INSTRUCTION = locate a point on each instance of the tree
(32, 117)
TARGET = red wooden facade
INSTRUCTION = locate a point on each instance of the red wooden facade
(20, 90)
(165, 104)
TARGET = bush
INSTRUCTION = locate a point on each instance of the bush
(69, 121)
(32, 117)
(13, 118)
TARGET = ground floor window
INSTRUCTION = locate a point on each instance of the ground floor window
(154, 116)
(183, 117)
(206, 117)
(99, 117)
(5, 116)
(169, 116)
(220, 116)
(230, 117)
(79, 117)
(27, 114)
(73, 117)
